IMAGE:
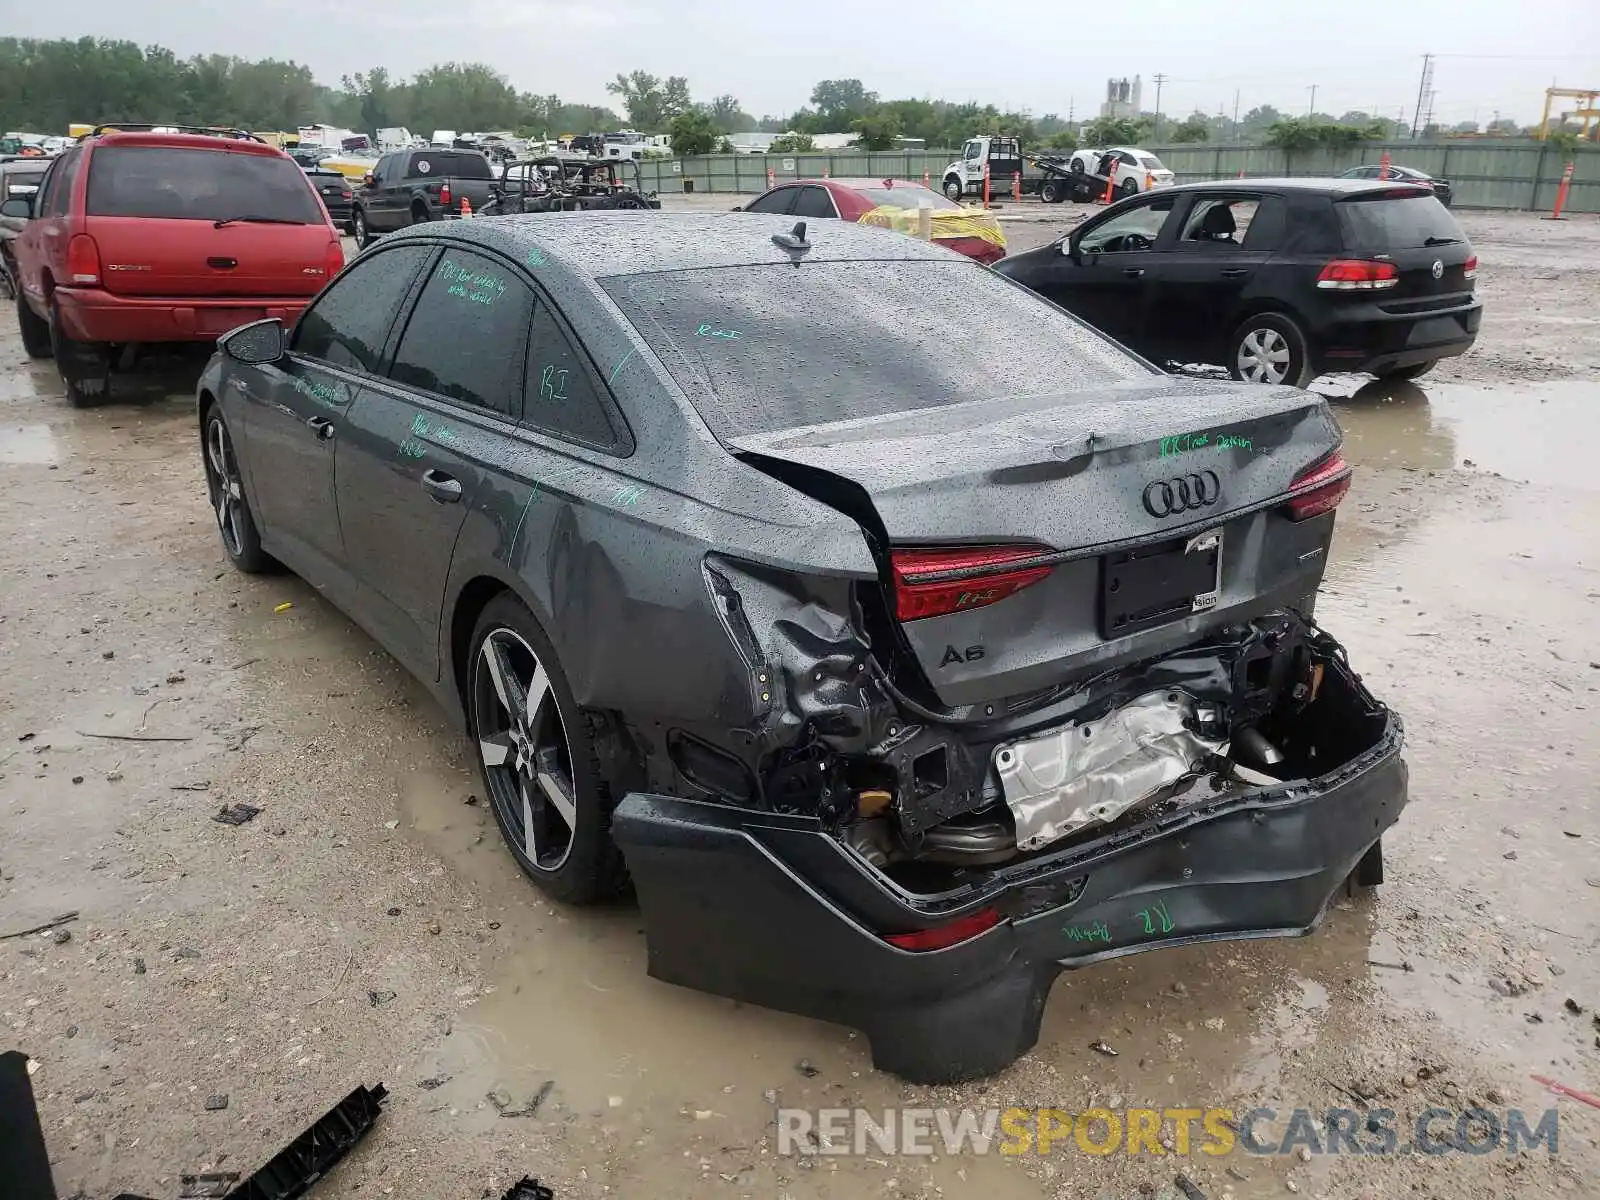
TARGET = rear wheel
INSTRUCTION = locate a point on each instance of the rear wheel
(35, 332)
(85, 366)
(225, 487)
(419, 215)
(1129, 188)
(536, 759)
(1269, 348)
(953, 189)
(1415, 371)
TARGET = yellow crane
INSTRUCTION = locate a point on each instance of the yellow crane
(1586, 110)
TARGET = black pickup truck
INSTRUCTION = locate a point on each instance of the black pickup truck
(412, 186)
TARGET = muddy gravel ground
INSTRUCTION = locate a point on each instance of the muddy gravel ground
(368, 926)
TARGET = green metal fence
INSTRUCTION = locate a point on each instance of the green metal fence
(1500, 174)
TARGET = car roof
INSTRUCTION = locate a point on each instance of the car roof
(185, 141)
(594, 245)
(1311, 185)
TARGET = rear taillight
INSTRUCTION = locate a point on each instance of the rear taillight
(1319, 488)
(444, 193)
(1469, 269)
(923, 586)
(333, 260)
(1358, 275)
(962, 929)
(83, 259)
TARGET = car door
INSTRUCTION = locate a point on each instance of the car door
(292, 428)
(1220, 242)
(46, 236)
(378, 199)
(1103, 270)
(414, 461)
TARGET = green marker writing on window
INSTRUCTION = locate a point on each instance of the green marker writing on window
(553, 383)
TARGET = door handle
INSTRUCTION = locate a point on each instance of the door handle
(443, 488)
(321, 426)
(1235, 273)
(1133, 272)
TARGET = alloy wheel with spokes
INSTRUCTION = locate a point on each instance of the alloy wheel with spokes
(227, 494)
(527, 758)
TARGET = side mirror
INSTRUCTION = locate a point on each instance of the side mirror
(17, 206)
(256, 344)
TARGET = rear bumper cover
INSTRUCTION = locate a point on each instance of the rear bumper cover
(95, 315)
(773, 910)
(1377, 341)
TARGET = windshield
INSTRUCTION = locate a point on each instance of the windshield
(197, 185)
(769, 347)
(906, 197)
(1384, 221)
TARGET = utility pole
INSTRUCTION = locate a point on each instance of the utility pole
(1422, 92)
(1312, 107)
(1236, 115)
(1160, 79)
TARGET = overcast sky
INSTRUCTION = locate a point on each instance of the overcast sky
(1041, 55)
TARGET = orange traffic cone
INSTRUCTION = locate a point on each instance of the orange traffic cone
(466, 208)
(926, 182)
(1111, 176)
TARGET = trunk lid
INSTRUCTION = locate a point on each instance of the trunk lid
(153, 212)
(1410, 228)
(1093, 490)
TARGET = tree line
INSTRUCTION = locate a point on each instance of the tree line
(47, 85)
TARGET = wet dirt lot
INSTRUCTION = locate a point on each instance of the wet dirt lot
(368, 926)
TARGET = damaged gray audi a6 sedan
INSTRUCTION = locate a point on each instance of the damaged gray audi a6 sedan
(762, 568)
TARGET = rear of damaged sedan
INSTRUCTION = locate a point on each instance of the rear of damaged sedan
(1056, 694)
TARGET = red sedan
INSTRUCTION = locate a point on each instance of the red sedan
(890, 203)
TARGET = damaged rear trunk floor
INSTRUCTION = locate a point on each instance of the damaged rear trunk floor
(368, 926)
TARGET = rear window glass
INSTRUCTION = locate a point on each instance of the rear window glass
(1150, 162)
(907, 197)
(1396, 223)
(452, 165)
(769, 347)
(197, 185)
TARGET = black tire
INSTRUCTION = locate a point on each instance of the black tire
(1259, 339)
(85, 367)
(236, 524)
(953, 189)
(1129, 188)
(419, 215)
(584, 867)
(1051, 191)
(1416, 371)
(35, 331)
(361, 230)
(1076, 167)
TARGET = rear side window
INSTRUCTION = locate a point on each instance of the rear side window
(1391, 222)
(468, 334)
(562, 396)
(349, 323)
(58, 188)
(814, 202)
(185, 184)
(451, 164)
(763, 348)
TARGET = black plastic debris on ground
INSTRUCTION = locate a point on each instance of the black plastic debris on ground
(529, 1189)
(23, 1157)
(236, 814)
(207, 1185)
(294, 1169)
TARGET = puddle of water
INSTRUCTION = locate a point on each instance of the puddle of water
(29, 445)
(1533, 432)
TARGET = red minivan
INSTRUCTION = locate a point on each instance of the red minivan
(152, 236)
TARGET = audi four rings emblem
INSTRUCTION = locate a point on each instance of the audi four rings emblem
(1168, 497)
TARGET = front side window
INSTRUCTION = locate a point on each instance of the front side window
(776, 201)
(1137, 229)
(349, 323)
(467, 336)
